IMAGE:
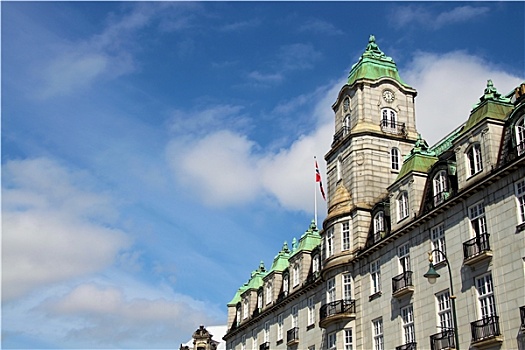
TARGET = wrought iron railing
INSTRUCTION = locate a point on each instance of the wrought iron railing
(311, 277)
(402, 281)
(282, 295)
(522, 316)
(487, 327)
(265, 346)
(338, 136)
(343, 306)
(393, 127)
(515, 152)
(443, 340)
(292, 335)
(407, 346)
(441, 197)
(476, 245)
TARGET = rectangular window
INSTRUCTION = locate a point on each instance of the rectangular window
(345, 231)
(245, 309)
(269, 292)
(407, 313)
(347, 286)
(330, 242)
(404, 258)
(520, 197)
(330, 290)
(295, 316)
(444, 313)
(474, 157)
(331, 341)
(487, 304)
(348, 339)
(377, 326)
(375, 276)
(243, 342)
(280, 327)
(254, 339)
(402, 206)
(295, 275)
(266, 331)
(437, 237)
(477, 219)
(311, 347)
(311, 311)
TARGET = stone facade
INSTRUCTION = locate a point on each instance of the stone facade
(397, 208)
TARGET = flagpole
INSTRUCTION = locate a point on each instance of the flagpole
(315, 197)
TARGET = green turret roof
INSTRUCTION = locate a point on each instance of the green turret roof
(373, 65)
(309, 240)
(420, 159)
(491, 105)
(254, 282)
(280, 262)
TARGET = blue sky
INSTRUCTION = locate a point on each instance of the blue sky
(154, 152)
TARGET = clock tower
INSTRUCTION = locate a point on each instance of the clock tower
(374, 129)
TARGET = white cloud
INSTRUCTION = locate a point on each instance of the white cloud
(422, 16)
(52, 230)
(448, 86)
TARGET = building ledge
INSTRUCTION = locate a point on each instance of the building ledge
(473, 260)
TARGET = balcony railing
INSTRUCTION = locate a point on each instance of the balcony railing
(292, 336)
(338, 136)
(515, 152)
(402, 283)
(407, 346)
(311, 277)
(282, 296)
(393, 127)
(443, 340)
(340, 307)
(441, 197)
(264, 346)
(476, 246)
(522, 316)
(487, 327)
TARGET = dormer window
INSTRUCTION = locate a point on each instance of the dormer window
(315, 263)
(394, 157)
(245, 310)
(286, 284)
(379, 225)
(520, 136)
(440, 187)
(269, 292)
(329, 242)
(474, 159)
(295, 275)
(402, 206)
(260, 299)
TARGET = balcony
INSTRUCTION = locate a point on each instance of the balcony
(443, 341)
(339, 136)
(477, 249)
(440, 198)
(264, 346)
(281, 296)
(407, 346)
(486, 331)
(336, 311)
(402, 284)
(392, 127)
(311, 278)
(522, 316)
(292, 336)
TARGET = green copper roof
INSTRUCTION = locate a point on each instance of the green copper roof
(419, 160)
(491, 105)
(237, 297)
(280, 262)
(374, 64)
(309, 240)
(254, 283)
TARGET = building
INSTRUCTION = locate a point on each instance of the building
(202, 339)
(398, 208)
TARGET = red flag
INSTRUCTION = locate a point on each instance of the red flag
(318, 179)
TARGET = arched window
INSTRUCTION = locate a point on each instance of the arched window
(389, 120)
(475, 162)
(520, 136)
(440, 187)
(379, 225)
(286, 284)
(394, 157)
(347, 124)
(402, 206)
(315, 263)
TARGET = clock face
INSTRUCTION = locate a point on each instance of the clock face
(388, 96)
(346, 104)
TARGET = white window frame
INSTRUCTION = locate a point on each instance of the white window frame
(379, 224)
(238, 314)
(389, 120)
(269, 293)
(444, 313)
(331, 341)
(375, 276)
(245, 308)
(311, 311)
(260, 296)
(345, 235)
(346, 283)
(395, 159)
(377, 327)
(520, 199)
(520, 136)
(295, 316)
(339, 168)
(295, 274)
(267, 331)
(254, 339)
(330, 290)
(402, 206)
(474, 159)
(478, 219)
(316, 263)
(437, 238)
(330, 242)
(348, 345)
(404, 257)
(243, 342)
(407, 315)
(440, 186)
(486, 301)
(286, 284)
